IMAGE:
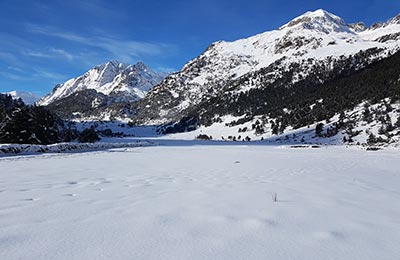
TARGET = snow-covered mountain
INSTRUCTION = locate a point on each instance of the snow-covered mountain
(28, 97)
(314, 39)
(307, 71)
(121, 81)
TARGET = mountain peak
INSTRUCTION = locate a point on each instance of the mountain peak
(141, 66)
(394, 20)
(124, 81)
(318, 13)
(358, 27)
(112, 64)
(319, 20)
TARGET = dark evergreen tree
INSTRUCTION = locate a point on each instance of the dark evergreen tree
(367, 116)
(88, 135)
(28, 124)
(342, 116)
(371, 139)
(16, 128)
(275, 128)
(397, 124)
(319, 129)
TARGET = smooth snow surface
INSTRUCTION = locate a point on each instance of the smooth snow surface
(202, 202)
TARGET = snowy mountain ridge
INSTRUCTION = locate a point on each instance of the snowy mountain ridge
(314, 38)
(29, 98)
(124, 82)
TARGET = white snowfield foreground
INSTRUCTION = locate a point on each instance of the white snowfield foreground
(201, 202)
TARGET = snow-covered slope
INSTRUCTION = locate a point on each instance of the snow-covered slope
(28, 97)
(124, 82)
(383, 122)
(317, 37)
(382, 32)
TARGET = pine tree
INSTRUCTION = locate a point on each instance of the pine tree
(319, 129)
(367, 116)
(397, 124)
(88, 135)
(371, 139)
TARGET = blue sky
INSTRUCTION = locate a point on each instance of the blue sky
(43, 43)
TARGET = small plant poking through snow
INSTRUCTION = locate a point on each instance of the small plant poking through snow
(274, 197)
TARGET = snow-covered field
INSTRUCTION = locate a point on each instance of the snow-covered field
(201, 202)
